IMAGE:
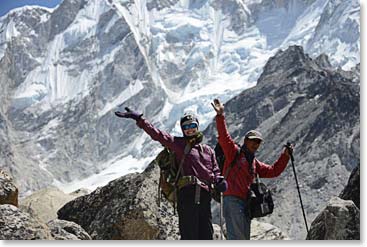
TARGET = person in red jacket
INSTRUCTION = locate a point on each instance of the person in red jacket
(242, 175)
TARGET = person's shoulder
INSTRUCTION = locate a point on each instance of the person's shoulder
(207, 147)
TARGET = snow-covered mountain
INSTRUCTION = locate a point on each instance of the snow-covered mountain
(65, 70)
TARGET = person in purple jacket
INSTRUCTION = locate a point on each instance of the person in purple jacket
(198, 172)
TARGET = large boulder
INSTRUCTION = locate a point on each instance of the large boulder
(8, 190)
(66, 230)
(17, 225)
(126, 208)
(45, 203)
(352, 191)
(340, 220)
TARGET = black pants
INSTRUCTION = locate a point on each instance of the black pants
(195, 220)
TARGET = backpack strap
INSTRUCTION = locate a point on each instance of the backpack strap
(232, 163)
(186, 151)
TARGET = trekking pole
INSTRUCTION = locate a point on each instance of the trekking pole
(295, 175)
(221, 215)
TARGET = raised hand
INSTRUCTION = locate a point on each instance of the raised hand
(218, 107)
(129, 114)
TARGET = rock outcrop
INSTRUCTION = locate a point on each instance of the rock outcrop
(17, 225)
(340, 220)
(126, 208)
(29, 222)
(341, 217)
(8, 190)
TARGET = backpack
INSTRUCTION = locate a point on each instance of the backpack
(260, 201)
(219, 155)
(166, 161)
(170, 173)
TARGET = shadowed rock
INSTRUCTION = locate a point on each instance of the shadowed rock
(8, 190)
(352, 190)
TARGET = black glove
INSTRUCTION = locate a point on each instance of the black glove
(129, 114)
(220, 184)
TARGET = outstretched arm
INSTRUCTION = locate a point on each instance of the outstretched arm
(268, 171)
(158, 135)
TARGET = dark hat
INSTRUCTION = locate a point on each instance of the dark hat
(253, 134)
(189, 118)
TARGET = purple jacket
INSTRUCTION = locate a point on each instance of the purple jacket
(200, 162)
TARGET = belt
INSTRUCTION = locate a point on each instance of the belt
(192, 180)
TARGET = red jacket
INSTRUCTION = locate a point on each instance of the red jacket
(239, 178)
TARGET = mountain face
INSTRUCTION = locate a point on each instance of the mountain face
(64, 71)
(298, 99)
(54, 115)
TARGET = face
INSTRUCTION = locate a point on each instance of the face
(252, 144)
(190, 129)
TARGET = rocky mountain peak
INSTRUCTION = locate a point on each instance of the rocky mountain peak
(287, 62)
(59, 20)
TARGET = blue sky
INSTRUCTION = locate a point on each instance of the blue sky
(6, 5)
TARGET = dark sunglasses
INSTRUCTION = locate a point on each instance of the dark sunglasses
(189, 126)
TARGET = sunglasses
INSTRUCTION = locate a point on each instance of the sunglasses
(189, 126)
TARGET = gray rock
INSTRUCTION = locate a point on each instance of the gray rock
(340, 220)
(8, 190)
(126, 208)
(17, 225)
(66, 230)
(45, 203)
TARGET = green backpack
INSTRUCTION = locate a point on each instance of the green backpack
(166, 161)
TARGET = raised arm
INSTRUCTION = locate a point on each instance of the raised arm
(229, 147)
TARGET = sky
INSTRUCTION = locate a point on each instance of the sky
(7, 5)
